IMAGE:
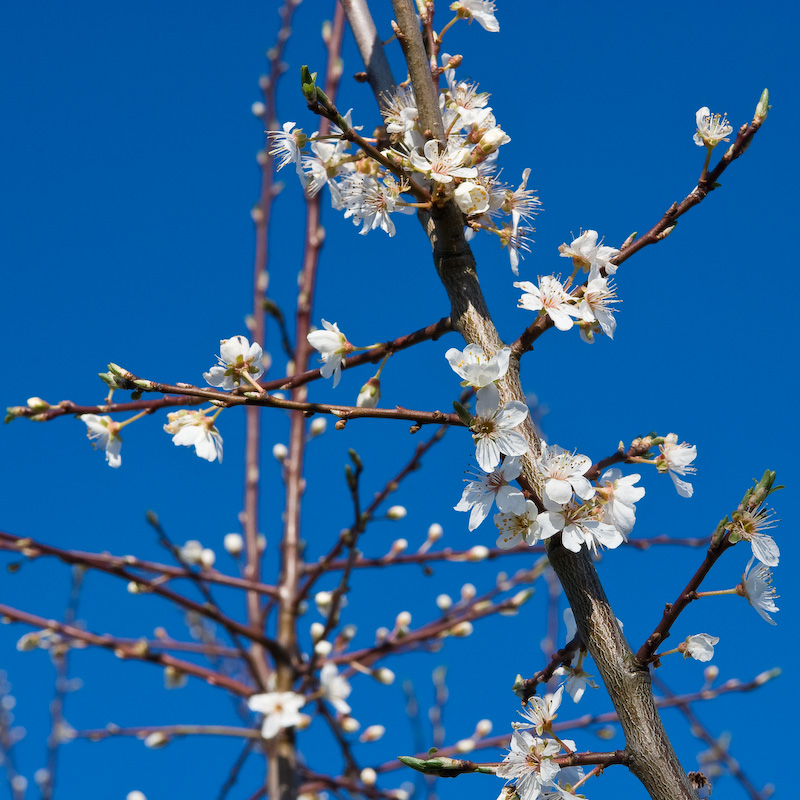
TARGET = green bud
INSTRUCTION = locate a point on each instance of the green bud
(763, 107)
(356, 459)
(351, 478)
(463, 414)
(308, 81)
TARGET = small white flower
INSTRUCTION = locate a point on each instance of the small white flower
(517, 239)
(237, 357)
(481, 10)
(194, 428)
(493, 428)
(442, 165)
(336, 688)
(530, 764)
(598, 297)
(286, 145)
(280, 710)
(372, 202)
(619, 497)
(759, 591)
(370, 393)
(676, 458)
(590, 256)
(711, 128)
(700, 646)
(522, 203)
(549, 296)
(479, 494)
(577, 681)
(750, 526)
(577, 528)
(332, 345)
(516, 528)
(103, 432)
(191, 552)
(475, 367)
(233, 544)
(541, 711)
(563, 472)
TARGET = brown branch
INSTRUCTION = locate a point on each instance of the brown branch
(126, 651)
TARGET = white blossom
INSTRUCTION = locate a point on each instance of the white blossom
(442, 165)
(619, 498)
(540, 712)
(237, 358)
(194, 428)
(332, 345)
(711, 128)
(750, 526)
(475, 367)
(370, 201)
(700, 646)
(335, 686)
(517, 528)
(595, 305)
(471, 198)
(590, 256)
(480, 10)
(494, 428)
(677, 458)
(103, 432)
(549, 296)
(280, 710)
(479, 494)
(530, 764)
(286, 145)
(759, 591)
(563, 473)
(577, 528)
(577, 680)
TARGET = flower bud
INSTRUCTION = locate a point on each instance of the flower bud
(368, 776)
(465, 746)
(398, 546)
(349, 724)
(323, 648)
(191, 552)
(493, 139)
(174, 678)
(384, 676)
(372, 733)
(396, 512)
(435, 532)
(233, 544)
(207, 558)
(478, 553)
(135, 795)
(402, 621)
(280, 451)
(763, 107)
(156, 740)
(710, 673)
(463, 629)
(258, 109)
(370, 393)
(37, 404)
(468, 591)
(318, 426)
(444, 601)
(483, 728)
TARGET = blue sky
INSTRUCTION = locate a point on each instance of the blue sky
(129, 174)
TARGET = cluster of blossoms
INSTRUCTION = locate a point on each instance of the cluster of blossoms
(529, 768)
(463, 167)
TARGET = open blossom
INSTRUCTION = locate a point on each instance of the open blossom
(286, 145)
(577, 528)
(336, 687)
(563, 472)
(194, 428)
(517, 528)
(677, 458)
(711, 128)
(700, 646)
(237, 358)
(576, 682)
(549, 296)
(481, 10)
(475, 367)
(493, 428)
(595, 305)
(540, 711)
(522, 203)
(619, 497)
(103, 432)
(442, 165)
(370, 201)
(333, 346)
(479, 494)
(590, 256)
(530, 764)
(471, 198)
(280, 710)
(750, 526)
(758, 589)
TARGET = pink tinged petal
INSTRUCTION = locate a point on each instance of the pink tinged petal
(685, 489)
(558, 491)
